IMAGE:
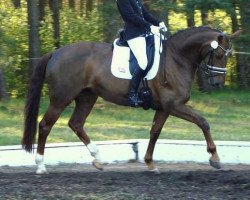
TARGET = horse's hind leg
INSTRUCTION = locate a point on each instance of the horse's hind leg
(49, 119)
(158, 122)
(84, 104)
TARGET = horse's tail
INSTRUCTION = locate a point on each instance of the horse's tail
(32, 103)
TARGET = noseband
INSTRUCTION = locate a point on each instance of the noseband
(208, 66)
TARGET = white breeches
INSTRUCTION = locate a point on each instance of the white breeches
(138, 47)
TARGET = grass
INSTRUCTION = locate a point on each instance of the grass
(227, 111)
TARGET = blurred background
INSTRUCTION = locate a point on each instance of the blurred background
(29, 29)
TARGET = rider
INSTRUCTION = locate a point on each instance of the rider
(138, 24)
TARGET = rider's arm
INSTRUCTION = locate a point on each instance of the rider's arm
(129, 14)
(150, 18)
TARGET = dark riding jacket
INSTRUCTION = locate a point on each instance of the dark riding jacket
(136, 17)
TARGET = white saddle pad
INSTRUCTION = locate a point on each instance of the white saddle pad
(120, 61)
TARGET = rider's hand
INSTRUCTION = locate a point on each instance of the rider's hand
(155, 30)
(163, 26)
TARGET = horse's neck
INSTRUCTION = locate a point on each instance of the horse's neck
(188, 46)
(181, 65)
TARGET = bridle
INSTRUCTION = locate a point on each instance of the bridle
(208, 66)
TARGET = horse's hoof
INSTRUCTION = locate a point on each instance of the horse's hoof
(152, 168)
(41, 171)
(97, 164)
(155, 171)
(215, 164)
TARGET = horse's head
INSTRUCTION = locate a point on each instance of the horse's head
(214, 54)
(206, 48)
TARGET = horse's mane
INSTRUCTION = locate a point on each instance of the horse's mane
(193, 29)
(180, 35)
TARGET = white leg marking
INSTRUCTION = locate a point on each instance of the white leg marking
(155, 170)
(41, 169)
(95, 153)
(152, 168)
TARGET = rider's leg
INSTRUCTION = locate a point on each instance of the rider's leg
(138, 47)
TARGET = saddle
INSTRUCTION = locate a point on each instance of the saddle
(124, 63)
(150, 48)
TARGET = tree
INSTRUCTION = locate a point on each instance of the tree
(204, 15)
(111, 20)
(89, 7)
(42, 4)
(54, 7)
(190, 8)
(165, 14)
(16, 3)
(72, 4)
(243, 66)
(34, 41)
(3, 94)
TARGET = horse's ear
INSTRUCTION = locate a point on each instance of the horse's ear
(235, 34)
(220, 38)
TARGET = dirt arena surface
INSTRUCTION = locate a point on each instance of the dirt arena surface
(126, 181)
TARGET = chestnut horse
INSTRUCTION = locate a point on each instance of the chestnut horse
(81, 73)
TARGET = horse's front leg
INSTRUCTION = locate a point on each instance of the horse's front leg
(184, 112)
(158, 122)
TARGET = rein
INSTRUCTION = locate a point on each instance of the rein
(163, 64)
(163, 39)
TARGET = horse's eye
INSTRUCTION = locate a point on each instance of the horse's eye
(219, 56)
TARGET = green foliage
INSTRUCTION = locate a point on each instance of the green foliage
(211, 4)
(46, 33)
(226, 111)
(110, 20)
(15, 45)
(77, 27)
(14, 39)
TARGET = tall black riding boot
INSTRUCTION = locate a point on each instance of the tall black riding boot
(133, 87)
